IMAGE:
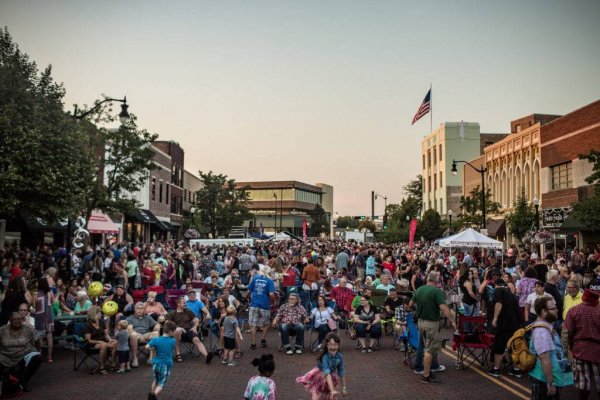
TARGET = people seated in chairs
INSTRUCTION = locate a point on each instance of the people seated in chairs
(123, 299)
(19, 358)
(187, 330)
(96, 336)
(342, 295)
(142, 327)
(231, 300)
(392, 302)
(214, 280)
(386, 284)
(320, 316)
(366, 320)
(152, 307)
(83, 303)
(196, 306)
(292, 316)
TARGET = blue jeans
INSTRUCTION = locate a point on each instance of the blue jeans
(418, 366)
(361, 331)
(323, 330)
(285, 330)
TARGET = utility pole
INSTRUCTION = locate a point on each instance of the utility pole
(372, 205)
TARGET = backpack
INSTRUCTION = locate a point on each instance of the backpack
(518, 345)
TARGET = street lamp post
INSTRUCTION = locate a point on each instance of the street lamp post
(281, 210)
(384, 222)
(275, 197)
(192, 211)
(450, 219)
(536, 204)
(482, 171)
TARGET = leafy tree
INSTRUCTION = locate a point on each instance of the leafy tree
(46, 165)
(587, 211)
(523, 218)
(430, 226)
(367, 224)
(220, 205)
(414, 192)
(471, 207)
(347, 222)
(320, 221)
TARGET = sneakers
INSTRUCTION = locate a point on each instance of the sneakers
(495, 372)
(224, 361)
(289, 351)
(517, 373)
(134, 363)
(121, 371)
(232, 364)
(209, 357)
(429, 379)
(253, 346)
(439, 368)
(418, 371)
(298, 351)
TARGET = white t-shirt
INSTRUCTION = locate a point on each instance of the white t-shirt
(321, 317)
(531, 300)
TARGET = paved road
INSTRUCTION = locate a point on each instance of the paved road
(378, 375)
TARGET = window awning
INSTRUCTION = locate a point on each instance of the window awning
(496, 228)
(101, 223)
(573, 225)
(143, 216)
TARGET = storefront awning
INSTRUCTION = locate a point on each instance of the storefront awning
(572, 225)
(142, 216)
(35, 224)
(496, 228)
(170, 227)
(101, 223)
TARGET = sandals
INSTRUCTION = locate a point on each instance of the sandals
(178, 358)
(102, 371)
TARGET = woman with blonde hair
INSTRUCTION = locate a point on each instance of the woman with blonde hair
(96, 335)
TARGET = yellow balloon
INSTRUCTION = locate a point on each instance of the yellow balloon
(96, 289)
(110, 308)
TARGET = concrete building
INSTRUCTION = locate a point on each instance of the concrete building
(284, 205)
(562, 175)
(452, 140)
(191, 184)
(327, 204)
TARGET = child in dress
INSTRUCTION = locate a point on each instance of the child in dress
(122, 337)
(162, 362)
(322, 381)
(262, 387)
(231, 329)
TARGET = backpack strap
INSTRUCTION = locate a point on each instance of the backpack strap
(533, 325)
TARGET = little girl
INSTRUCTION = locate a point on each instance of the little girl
(322, 381)
(262, 387)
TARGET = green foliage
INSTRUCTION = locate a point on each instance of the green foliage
(367, 224)
(471, 208)
(46, 166)
(219, 204)
(414, 192)
(522, 219)
(430, 227)
(587, 211)
(320, 221)
(347, 222)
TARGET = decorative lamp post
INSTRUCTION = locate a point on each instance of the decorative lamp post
(536, 204)
(123, 115)
(450, 219)
(192, 212)
(481, 171)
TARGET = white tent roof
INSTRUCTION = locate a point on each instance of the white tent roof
(470, 238)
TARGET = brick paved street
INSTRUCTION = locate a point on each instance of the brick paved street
(379, 375)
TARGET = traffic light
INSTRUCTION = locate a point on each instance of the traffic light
(385, 221)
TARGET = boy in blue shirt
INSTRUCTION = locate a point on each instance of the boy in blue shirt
(164, 347)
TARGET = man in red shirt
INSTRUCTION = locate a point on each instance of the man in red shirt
(342, 295)
(583, 326)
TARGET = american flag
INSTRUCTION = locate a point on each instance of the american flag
(424, 109)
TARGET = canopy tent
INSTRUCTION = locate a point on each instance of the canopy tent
(285, 235)
(101, 223)
(470, 238)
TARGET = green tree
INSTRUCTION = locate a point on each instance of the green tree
(320, 221)
(471, 208)
(430, 227)
(347, 222)
(587, 211)
(367, 224)
(414, 192)
(46, 165)
(523, 218)
(220, 205)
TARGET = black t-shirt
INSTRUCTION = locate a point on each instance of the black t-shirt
(509, 319)
(552, 289)
(393, 304)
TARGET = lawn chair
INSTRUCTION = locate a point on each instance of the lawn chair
(172, 296)
(81, 345)
(471, 342)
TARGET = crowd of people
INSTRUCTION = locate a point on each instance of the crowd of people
(290, 286)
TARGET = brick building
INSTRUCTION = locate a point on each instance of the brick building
(563, 173)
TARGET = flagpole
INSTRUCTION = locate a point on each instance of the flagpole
(430, 109)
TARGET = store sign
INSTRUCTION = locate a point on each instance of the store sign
(555, 217)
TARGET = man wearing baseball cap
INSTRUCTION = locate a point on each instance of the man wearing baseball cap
(583, 326)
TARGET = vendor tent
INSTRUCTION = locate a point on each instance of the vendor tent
(470, 238)
(285, 235)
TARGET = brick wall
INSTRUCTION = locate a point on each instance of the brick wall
(531, 120)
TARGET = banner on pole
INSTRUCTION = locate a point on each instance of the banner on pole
(411, 233)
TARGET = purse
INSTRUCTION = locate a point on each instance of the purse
(331, 324)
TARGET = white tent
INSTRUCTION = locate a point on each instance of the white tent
(470, 238)
(284, 236)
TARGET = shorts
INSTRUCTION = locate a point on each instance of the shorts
(161, 374)
(429, 330)
(584, 373)
(229, 343)
(500, 340)
(123, 356)
(188, 336)
(259, 317)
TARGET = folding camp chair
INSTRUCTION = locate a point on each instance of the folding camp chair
(471, 342)
(81, 345)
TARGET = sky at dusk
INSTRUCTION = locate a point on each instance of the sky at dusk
(316, 91)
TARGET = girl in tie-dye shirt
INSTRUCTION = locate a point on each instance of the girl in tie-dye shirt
(262, 387)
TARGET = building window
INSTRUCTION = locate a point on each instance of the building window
(423, 161)
(429, 184)
(167, 195)
(562, 176)
(440, 147)
(160, 188)
(434, 181)
(429, 158)
(441, 184)
(435, 204)
(434, 156)
(518, 128)
(153, 189)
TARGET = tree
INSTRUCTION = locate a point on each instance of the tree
(522, 219)
(471, 207)
(347, 222)
(220, 205)
(431, 226)
(414, 192)
(46, 165)
(367, 224)
(587, 211)
(320, 222)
